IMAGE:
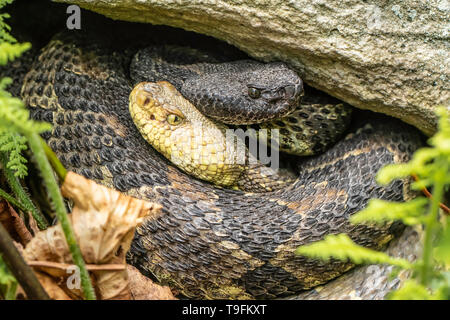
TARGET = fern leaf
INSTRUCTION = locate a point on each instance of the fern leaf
(8, 284)
(14, 117)
(5, 2)
(422, 163)
(343, 248)
(411, 290)
(393, 171)
(442, 251)
(6, 278)
(381, 211)
(10, 51)
(15, 121)
(13, 144)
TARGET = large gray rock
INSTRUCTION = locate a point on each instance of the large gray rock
(390, 56)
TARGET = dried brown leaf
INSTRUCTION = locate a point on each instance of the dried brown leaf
(54, 291)
(14, 224)
(142, 288)
(104, 221)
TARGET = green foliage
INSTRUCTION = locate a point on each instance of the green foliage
(430, 274)
(425, 162)
(442, 250)
(14, 116)
(343, 248)
(4, 27)
(381, 211)
(9, 48)
(15, 124)
(16, 128)
(11, 51)
(8, 283)
(14, 144)
(411, 290)
(11, 141)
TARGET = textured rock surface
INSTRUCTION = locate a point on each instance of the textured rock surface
(390, 56)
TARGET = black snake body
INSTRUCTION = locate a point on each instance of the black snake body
(210, 242)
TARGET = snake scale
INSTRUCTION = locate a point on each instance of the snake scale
(213, 242)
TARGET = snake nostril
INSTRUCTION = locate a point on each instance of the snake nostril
(289, 91)
(293, 91)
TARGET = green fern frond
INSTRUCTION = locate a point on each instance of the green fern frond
(15, 121)
(14, 117)
(13, 144)
(5, 36)
(423, 162)
(5, 28)
(343, 248)
(5, 276)
(442, 251)
(381, 211)
(393, 171)
(5, 2)
(8, 284)
(411, 290)
(9, 48)
(10, 51)
(441, 140)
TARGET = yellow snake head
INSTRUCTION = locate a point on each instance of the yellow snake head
(175, 128)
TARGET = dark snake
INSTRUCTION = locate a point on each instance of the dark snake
(213, 242)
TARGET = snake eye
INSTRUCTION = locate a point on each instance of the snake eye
(174, 119)
(254, 93)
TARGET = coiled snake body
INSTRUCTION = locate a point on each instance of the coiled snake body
(211, 242)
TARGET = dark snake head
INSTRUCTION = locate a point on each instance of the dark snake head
(244, 92)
